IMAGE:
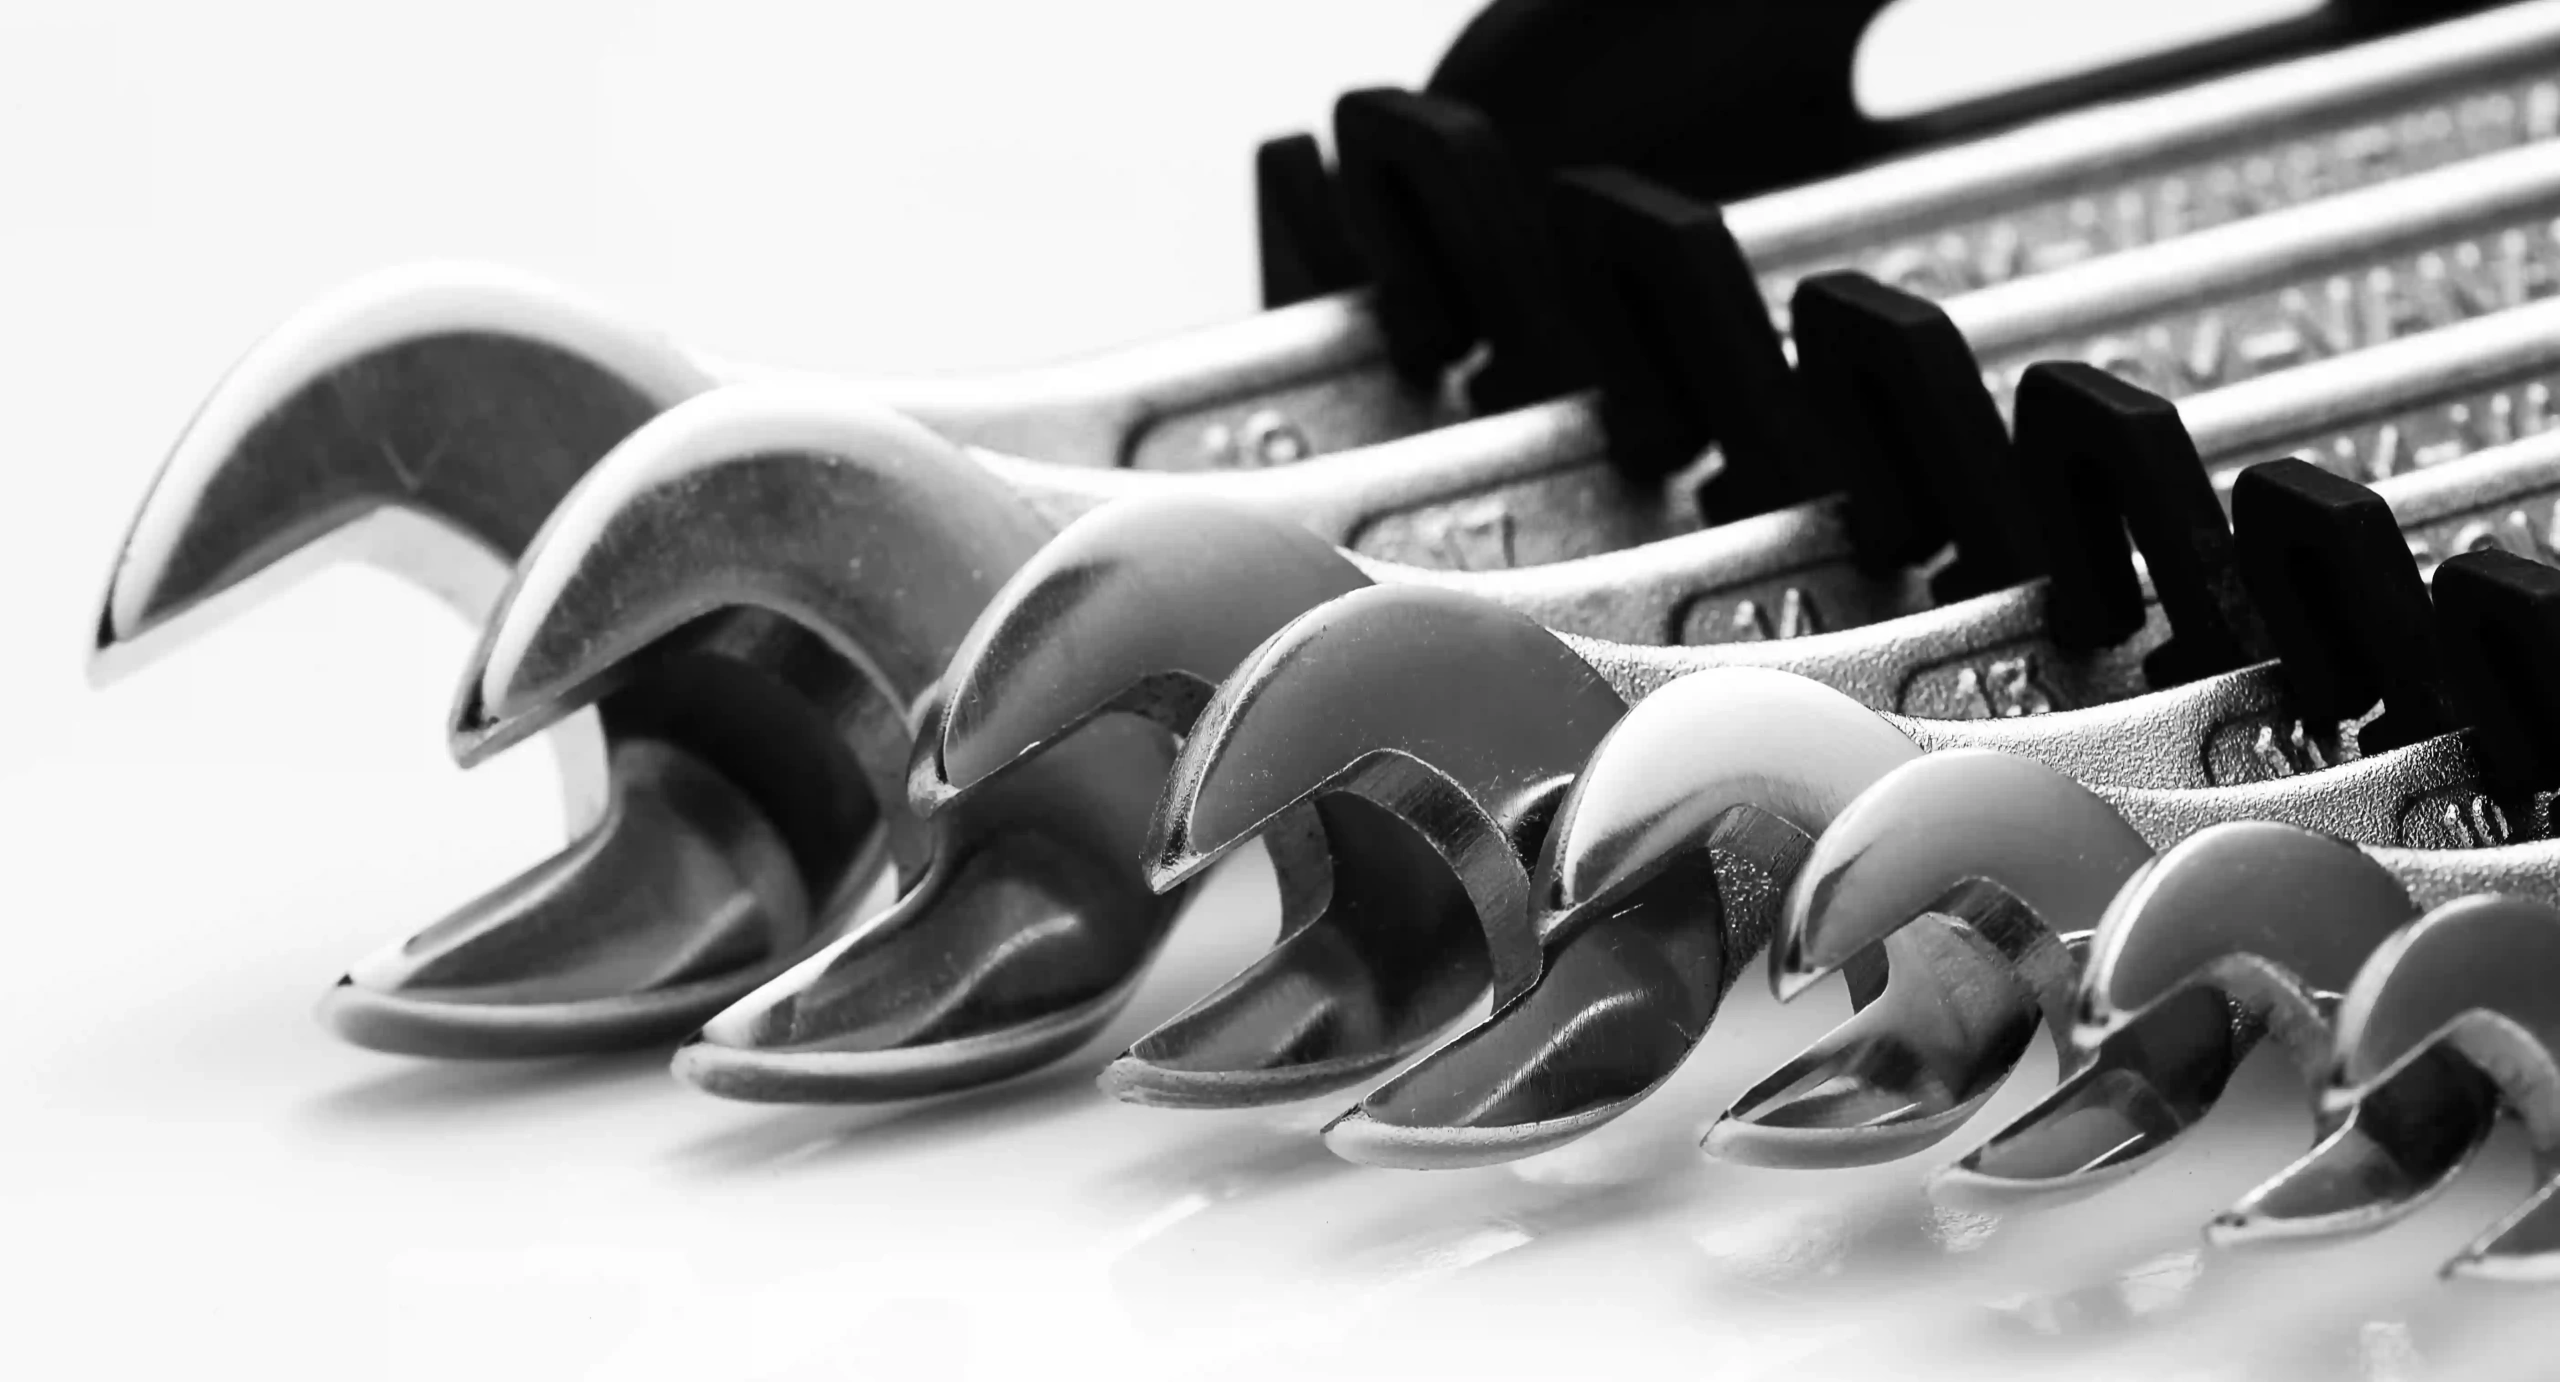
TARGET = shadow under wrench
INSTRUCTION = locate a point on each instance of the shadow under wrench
(1297, 1245)
(2130, 1262)
(831, 1135)
(421, 1092)
(1756, 1261)
(1245, 1235)
(1187, 1168)
(1772, 1263)
(2148, 1294)
(1235, 911)
(2367, 1306)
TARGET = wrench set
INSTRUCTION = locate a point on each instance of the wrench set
(2083, 561)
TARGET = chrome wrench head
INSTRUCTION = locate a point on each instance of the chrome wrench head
(1027, 931)
(790, 569)
(1400, 747)
(2240, 928)
(2471, 979)
(429, 419)
(1658, 879)
(623, 938)
(2015, 863)
(470, 398)
(1139, 607)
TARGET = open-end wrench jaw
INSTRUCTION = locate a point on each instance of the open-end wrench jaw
(1963, 866)
(470, 398)
(2240, 929)
(1430, 734)
(1027, 931)
(773, 576)
(1658, 879)
(625, 938)
(1616, 1004)
(2026, 860)
(1834, 1106)
(1140, 607)
(2470, 979)
(874, 535)
(1687, 756)
(430, 419)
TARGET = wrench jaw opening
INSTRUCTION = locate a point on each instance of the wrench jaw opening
(2132, 1095)
(1657, 881)
(1401, 748)
(1690, 754)
(2239, 930)
(2152, 1041)
(469, 398)
(1901, 1072)
(429, 420)
(1627, 990)
(2470, 980)
(1976, 875)
(1140, 607)
(569, 956)
(2379, 1160)
(771, 579)
(1028, 931)
(1395, 954)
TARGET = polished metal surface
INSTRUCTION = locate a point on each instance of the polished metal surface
(589, 1215)
(2240, 928)
(2125, 174)
(2399, 407)
(1757, 763)
(2272, 921)
(1141, 610)
(1740, 749)
(2267, 918)
(1279, 386)
(1528, 487)
(2226, 731)
(429, 419)
(1854, 895)
(744, 504)
(2339, 274)
(932, 991)
(2470, 981)
(700, 802)
(1102, 413)
(1302, 726)
(1979, 664)
(2023, 871)
(474, 397)
(1988, 657)
(2210, 272)
(469, 399)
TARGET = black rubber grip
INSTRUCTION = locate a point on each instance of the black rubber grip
(2101, 456)
(2498, 626)
(2342, 601)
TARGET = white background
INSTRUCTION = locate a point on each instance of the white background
(194, 1176)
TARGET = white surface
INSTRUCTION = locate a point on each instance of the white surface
(196, 1177)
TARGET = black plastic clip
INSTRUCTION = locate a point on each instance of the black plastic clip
(1306, 248)
(2498, 631)
(2101, 456)
(1458, 247)
(1680, 340)
(2342, 600)
(1724, 98)
(1916, 440)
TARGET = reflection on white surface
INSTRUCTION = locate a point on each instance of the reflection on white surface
(195, 1173)
(199, 1144)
